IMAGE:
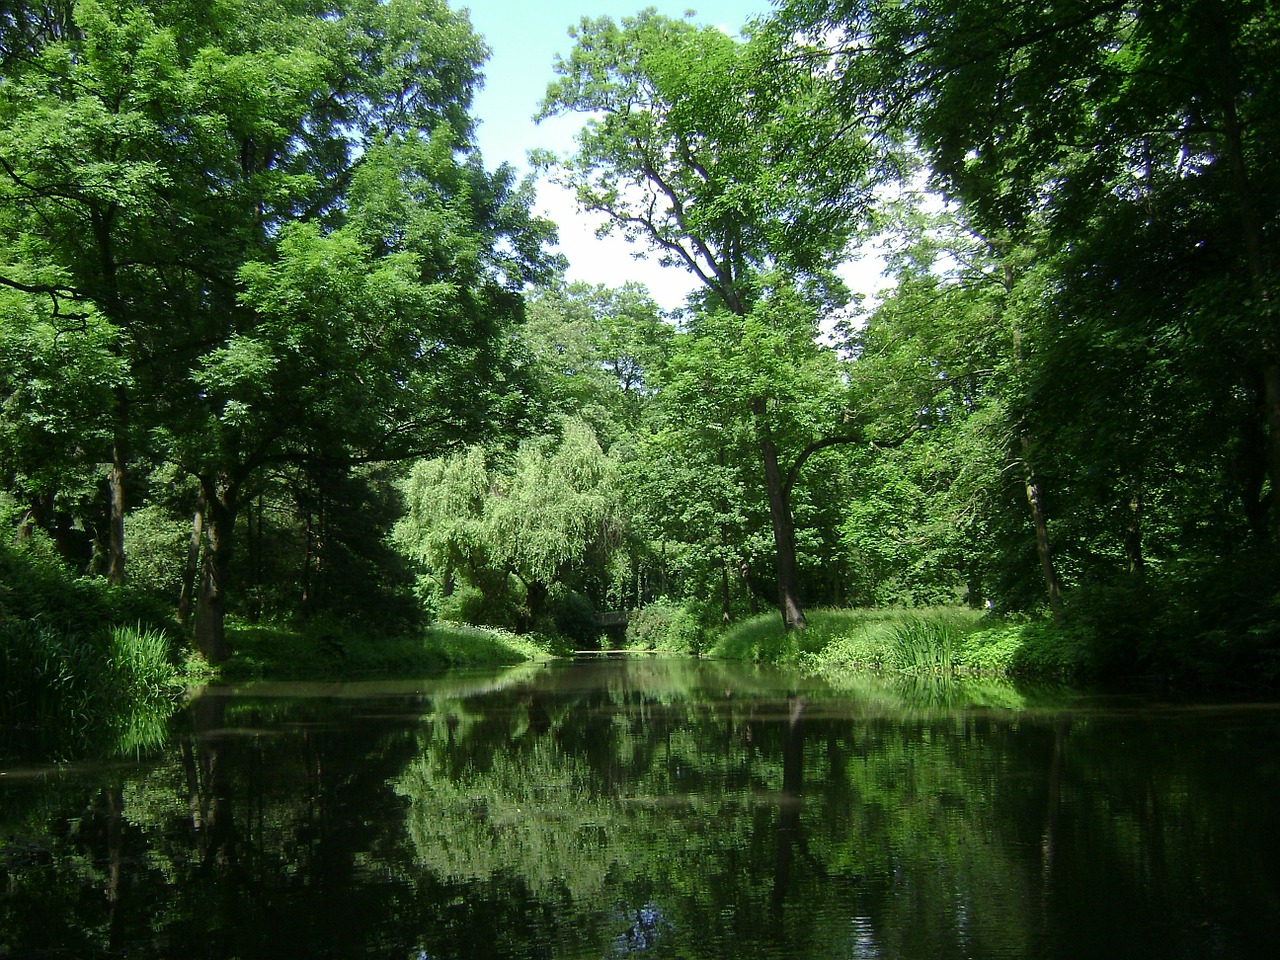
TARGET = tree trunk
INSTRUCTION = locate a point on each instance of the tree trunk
(1043, 547)
(1272, 400)
(1253, 239)
(254, 531)
(220, 520)
(115, 528)
(308, 549)
(193, 561)
(536, 593)
(1053, 586)
(1251, 468)
(784, 536)
(726, 607)
(1133, 534)
(744, 573)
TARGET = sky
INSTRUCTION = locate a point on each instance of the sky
(524, 38)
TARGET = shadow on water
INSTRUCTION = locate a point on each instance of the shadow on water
(664, 807)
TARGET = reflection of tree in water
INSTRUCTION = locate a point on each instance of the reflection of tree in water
(532, 814)
(566, 819)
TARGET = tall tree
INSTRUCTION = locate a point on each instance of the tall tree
(1159, 119)
(728, 162)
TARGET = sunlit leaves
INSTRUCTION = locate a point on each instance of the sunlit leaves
(536, 516)
(699, 146)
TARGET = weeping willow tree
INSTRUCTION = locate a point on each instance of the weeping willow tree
(546, 516)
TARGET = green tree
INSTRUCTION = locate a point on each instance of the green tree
(282, 214)
(598, 352)
(729, 163)
(549, 517)
(57, 372)
(1139, 132)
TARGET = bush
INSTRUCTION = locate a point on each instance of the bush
(70, 667)
(1026, 648)
(158, 546)
(665, 627)
(468, 605)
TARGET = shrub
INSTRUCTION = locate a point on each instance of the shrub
(468, 605)
(69, 669)
(158, 546)
(666, 627)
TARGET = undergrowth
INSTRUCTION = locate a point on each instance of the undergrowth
(932, 640)
(82, 665)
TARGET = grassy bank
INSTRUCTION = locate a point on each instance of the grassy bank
(331, 650)
(1091, 647)
(85, 667)
(919, 641)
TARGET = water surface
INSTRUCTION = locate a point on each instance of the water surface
(663, 808)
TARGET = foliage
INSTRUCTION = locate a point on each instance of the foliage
(597, 354)
(76, 671)
(573, 617)
(921, 640)
(250, 261)
(665, 627)
(157, 549)
(723, 158)
(701, 147)
(549, 515)
(267, 241)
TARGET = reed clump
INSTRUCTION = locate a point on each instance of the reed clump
(74, 673)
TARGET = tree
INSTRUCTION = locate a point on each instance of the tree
(545, 518)
(727, 161)
(597, 352)
(57, 372)
(1156, 119)
(282, 215)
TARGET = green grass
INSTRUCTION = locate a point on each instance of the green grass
(925, 641)
(329, 649)
(64, 692)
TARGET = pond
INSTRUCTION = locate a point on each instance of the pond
(664, 808)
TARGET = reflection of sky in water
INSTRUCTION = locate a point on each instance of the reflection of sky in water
(864, 946)
(645, 927)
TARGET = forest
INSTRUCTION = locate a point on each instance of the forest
(282, 361)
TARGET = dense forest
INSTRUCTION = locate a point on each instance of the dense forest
(276, 345)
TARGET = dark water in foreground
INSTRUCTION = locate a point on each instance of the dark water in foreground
(658, 808)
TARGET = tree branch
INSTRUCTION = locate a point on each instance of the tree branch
(842, 440)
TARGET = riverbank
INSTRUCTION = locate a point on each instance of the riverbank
(920, 640)
(84, 665)
(1089, 648)
(333, 650)
(87, 667)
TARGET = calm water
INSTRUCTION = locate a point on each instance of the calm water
(660, 808)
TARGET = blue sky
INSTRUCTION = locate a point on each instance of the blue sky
(524, 38)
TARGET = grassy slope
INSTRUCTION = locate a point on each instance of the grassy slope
(938, 639)
(329, 650)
